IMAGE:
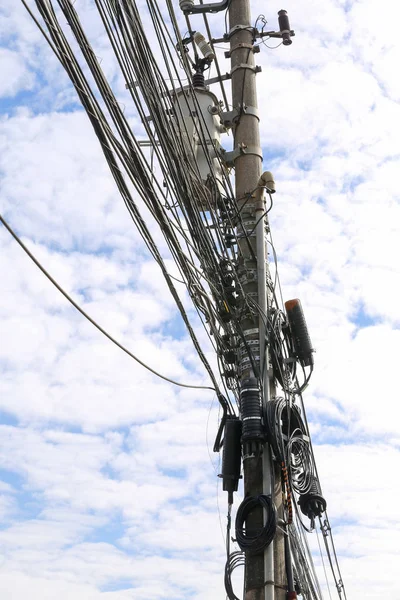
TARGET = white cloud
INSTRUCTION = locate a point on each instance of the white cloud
(15, 76)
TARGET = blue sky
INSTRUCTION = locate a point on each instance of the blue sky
(107, 491)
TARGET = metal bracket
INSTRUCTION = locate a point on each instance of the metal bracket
(188, 8)
(275, 34)
(247, 223)
(228, 118)
(247, 359)
(250, 342)
(255, 69)
(247, 208)
(230, 157)
(250, 275)
(253, 331)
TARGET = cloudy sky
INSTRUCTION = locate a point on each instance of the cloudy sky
(108, 487)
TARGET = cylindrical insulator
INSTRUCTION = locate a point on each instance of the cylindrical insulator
(250, 407)
(203, 46)
(284, 27)
(298, 327)
(231, 456)
(313, 504)
(198, 80)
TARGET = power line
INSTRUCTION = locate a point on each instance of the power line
(89, 318)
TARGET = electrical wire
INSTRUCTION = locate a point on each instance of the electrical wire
(89, 318)
(323, 564)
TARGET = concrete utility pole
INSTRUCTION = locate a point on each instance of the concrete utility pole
(265, 573)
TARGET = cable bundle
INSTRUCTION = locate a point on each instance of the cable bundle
(236, 559)
(255, 542)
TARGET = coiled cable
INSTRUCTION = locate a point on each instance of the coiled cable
(236, 559)
(254, 542)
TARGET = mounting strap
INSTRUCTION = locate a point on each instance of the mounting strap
(237, 28)
(228, 118)
(230, 157)
(240, 46)
(255, 69)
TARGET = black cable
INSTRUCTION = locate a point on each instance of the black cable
(234, 560)
(327, 533)
(78, 308)
(254, 542)
(131, 157)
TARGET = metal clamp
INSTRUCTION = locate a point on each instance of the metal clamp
(249, 233)
(250, 275)
(247, 208)
(250, 342)
(247, 223)
(230, 157)
(255, 49)
(237, 28)
(255, 69)
(229, 118)
(253, 331)
(247, 359)
(188, 7)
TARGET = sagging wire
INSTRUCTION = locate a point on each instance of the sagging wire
(89, 318)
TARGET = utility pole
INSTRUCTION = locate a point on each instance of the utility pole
(265, 577)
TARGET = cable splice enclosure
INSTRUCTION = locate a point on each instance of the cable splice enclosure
(231, 456)
(251, 411)
(313, 504)
(298, 327)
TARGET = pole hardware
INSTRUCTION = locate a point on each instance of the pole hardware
(230, 157)
(255, 69)
(284, 27)
(248, 234)
(244, 349)
(229, 118)
(247, 359)
(252, 295)
(249, 208)
(250, 275)
(255, 49)
(249, 342)
(273, 34)
(244, 224)
(284, 33)
(247, 332)
(236, 29)
(189, 8)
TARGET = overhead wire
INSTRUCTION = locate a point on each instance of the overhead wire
(89, 318)
(134, 154)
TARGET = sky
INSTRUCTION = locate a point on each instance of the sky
(108, 483)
